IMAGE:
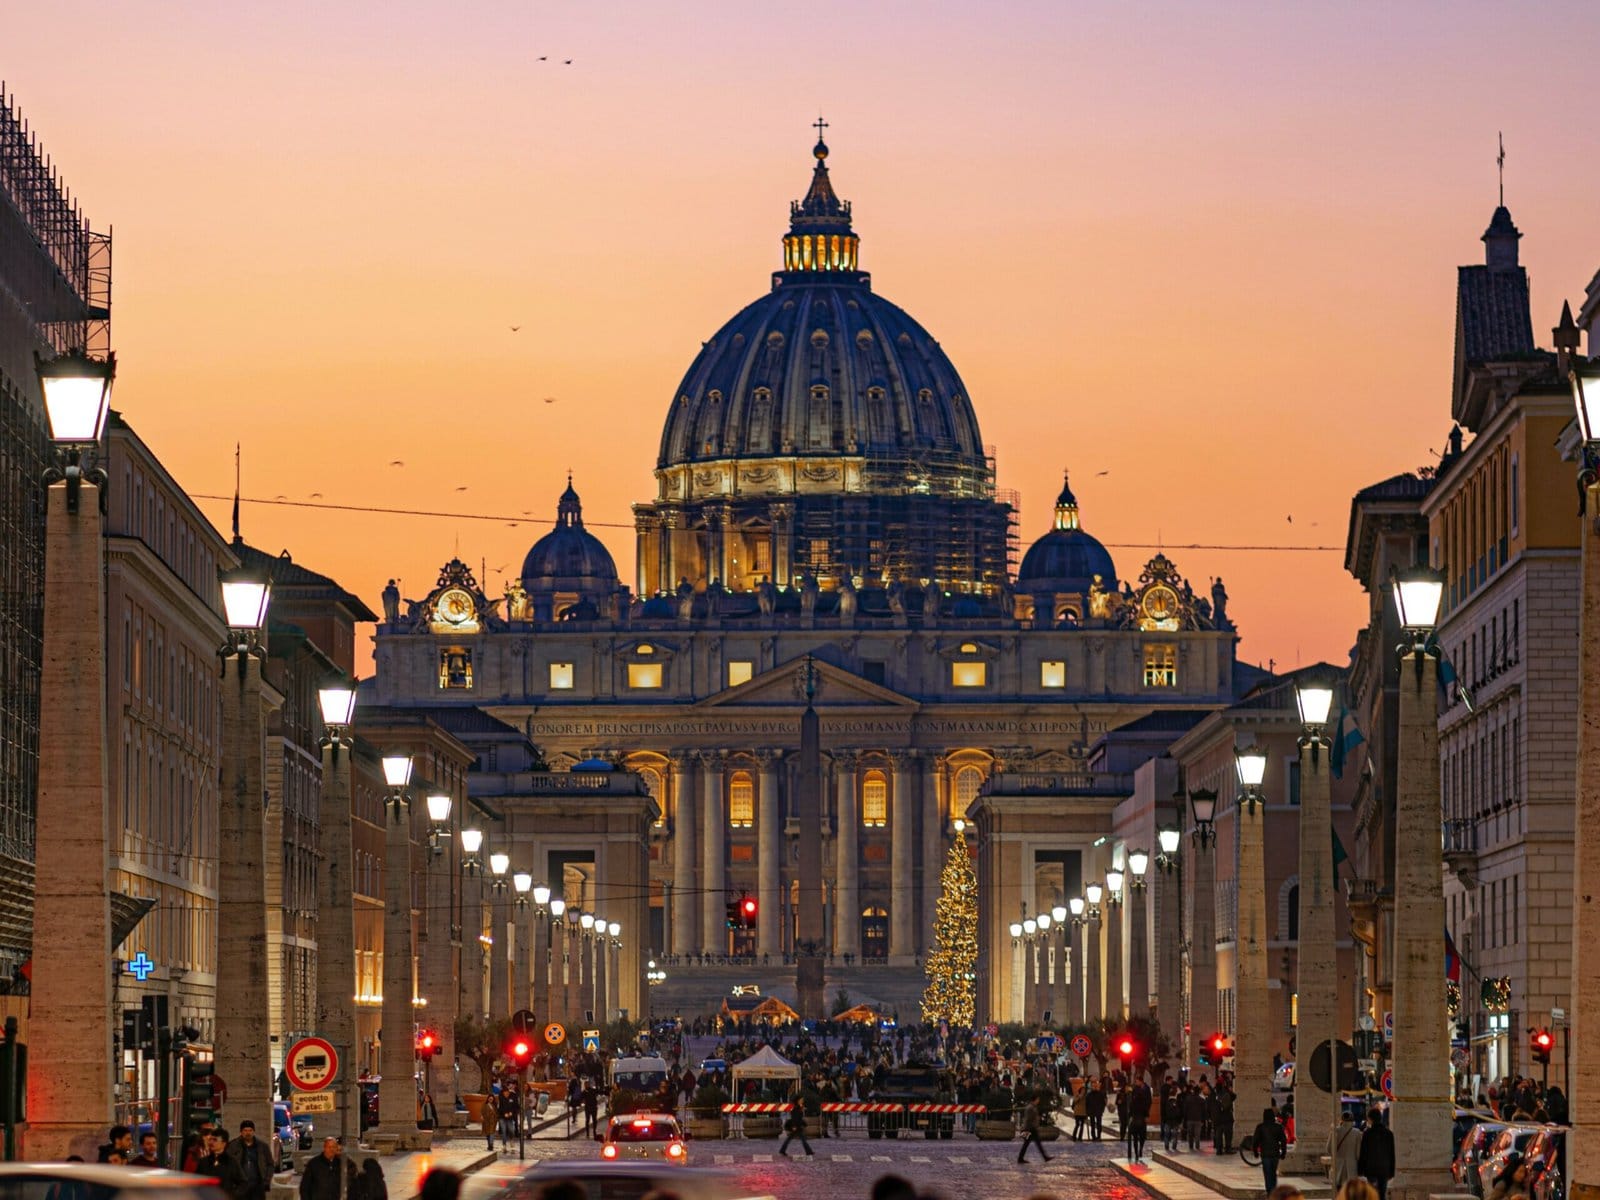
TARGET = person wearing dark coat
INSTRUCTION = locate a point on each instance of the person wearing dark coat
(1222, 1120)
(1194, 1117)
(328, 1176)
(253, 1158)
(1376, 1159)
(216, 1163)
(1138, 1121)
(1095, 1104)
(1271, 1144)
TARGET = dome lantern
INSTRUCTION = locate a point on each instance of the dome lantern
(820, 237)
(1066, 506)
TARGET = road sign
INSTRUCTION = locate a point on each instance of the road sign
(311, 1064)
(1388, 1084)
(524, 1022)
(1366, 1023)
(992, 1029)
(591, 1041)
(554, 1034)
(1558, 1016)
(1388, 1026)
(1081, 1046)
(311, 1102)
(1367, 1064)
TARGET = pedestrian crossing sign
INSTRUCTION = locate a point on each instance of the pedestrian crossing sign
(591, 1041)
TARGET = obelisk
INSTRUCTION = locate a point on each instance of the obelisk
(808, 977)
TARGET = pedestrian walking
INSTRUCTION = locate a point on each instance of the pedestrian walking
(326, 1176)
(253, 1159)
(1222, 1122)
(147, 1156)
(1097, 1110)
(1030, 1125)
(1344, 1151)
(794, 1126)
(1171, 1117)
(1194, 1116)
(509, 1107)
(591, 1109)
(1271, 1145)
(216, 1163)
(1080, 1111)
(1375, 1159)
(1138, 1121)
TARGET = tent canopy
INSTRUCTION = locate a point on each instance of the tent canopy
(765, 1063)
(865, 1014)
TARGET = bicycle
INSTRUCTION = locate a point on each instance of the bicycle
(1247, 1151)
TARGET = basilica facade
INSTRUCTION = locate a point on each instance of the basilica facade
(822, 493)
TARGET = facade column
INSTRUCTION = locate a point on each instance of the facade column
(642, 530)
(725, 546)
(243, 1054)
(686, 909)
(847, 854)
(902, 854)
(1252, 1058)
(1116, 1007)
(397, 1092)
(1076, 940)
(472, 956)
(715, 540)
(336, 935)
(539, 944)
(1018, 963)
(1139, 989)
(614, 981)
(69, 1087)
(782, 514)
(714, 872)
(665, 580)
(598, 994)
(1199, 947)
(933, 850)
(1317, 968)
(499, 955)
(1421, 1114)
(769, 849)
(1093, 963)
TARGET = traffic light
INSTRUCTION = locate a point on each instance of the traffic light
(1126, 1048)
(747, 912)
(733, 914)
(427, 1045)
(1543, 1042)
(198, 1107)
(519, 1051)
(1213, 1049)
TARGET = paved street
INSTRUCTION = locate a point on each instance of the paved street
(956, 1170)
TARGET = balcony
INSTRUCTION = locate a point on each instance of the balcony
(1460, 837)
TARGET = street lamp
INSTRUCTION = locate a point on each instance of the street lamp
(397, 774)
(77, 397)
(1043, 920)
(558, 906)
(1058, 914)
(586, 920)
(438, 820)
(1077, 906)
(1138, 864)
(1114, 881)
(246, 592)
(1251, 764)
(1029, 928)
(522, 883)
(1016, 932)
(1203, 804)
(1418, 591)
(471, 844)
(1168, 838)
(499, 864)
(1092, 894)
(337, 699)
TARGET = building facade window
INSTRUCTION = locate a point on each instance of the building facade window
(875, 800)
(874, 933)
(740, 671)
(560, 676)
(644, 675)
(1161, 665)
(969, 674)
(455, 667)
(741, 801)
(968, 781)
(1053, 674)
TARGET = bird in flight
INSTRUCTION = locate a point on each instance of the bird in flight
(544, 57)
(514, 328)
(280, 497)
(1097, 474)
(397, 463)
(316, 495)
(549, 399)
(1290, 520)
(462, 488)
(566, 62)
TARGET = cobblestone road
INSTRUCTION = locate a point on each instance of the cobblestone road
(955, 1170)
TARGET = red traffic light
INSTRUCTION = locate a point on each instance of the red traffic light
(1125, 1048)
(1543, 1040)
(749, 907)
(426, 1041)
(1219, 1043)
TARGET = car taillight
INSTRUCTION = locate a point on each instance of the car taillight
(608, 1151)
(675, 1150)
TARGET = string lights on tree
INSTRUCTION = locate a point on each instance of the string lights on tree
(952, 965)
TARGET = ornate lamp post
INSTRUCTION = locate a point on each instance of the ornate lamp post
(614, 973)
(1317, 965)
(1203, 805)
(439, 806)
(1252, 1059)
(397, 1056)
(336, 983)
(1421, 1115)
(70, 1101)
(499, 948)
(243, 1049)
(1583, 1046)
(1139, 984)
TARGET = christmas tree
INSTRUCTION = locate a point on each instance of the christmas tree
(951, 966)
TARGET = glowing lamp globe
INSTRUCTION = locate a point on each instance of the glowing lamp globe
(558, 906)
(522, 881)
(1016, 929)
(337, 699)
(1585, 379)
(77, 396)
(1251, 763)
(1418, 592)
(1058, 914)
(245, 594)
(438, 808)
(1114, 881)
(1315, 701)
(397, 770)
(1138, 862)
(1093, 893)
(1169, 838)
(498, 863)
(541, 895)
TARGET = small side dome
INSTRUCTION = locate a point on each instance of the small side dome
(592, 764)
(1066, 559)
(569, 560)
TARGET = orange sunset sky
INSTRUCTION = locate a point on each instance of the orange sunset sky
(1202, 254)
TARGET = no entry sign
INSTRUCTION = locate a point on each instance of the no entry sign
(1081, 1046)
(311, 1064)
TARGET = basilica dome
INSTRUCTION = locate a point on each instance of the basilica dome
(1066, 559)
(569, 559)
(823, 366)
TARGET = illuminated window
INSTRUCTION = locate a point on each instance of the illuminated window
(1053, 674)
(644, 675)
(761, 554)
(969, 674)
(560, 677)
(968, 781)
(1161, 665)
(875, 800)
(739, 671)
(741, 801)
(819, 552)
(455, 667)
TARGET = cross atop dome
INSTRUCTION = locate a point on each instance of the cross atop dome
(820, 237)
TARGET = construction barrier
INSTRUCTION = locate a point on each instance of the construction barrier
(862, 1106)
(756, 1108)
(946, 1108)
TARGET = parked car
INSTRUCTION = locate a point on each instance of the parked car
(1474, 1145)
(1283, 1078)
(1513, 1139)
(295, 1130)
(1545, 1153)
(644, 1135)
